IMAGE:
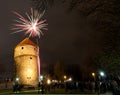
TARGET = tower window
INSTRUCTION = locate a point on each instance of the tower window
(22, 48)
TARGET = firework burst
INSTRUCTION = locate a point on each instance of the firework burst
(31, 25)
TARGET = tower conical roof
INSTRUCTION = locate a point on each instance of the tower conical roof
(27, 41)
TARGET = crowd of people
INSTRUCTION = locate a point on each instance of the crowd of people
(93, 86)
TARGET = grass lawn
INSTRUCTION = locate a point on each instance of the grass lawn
(6, 90)
(52, 91)
(56, 91)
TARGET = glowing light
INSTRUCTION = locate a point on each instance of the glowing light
(93, 74)
(17, 79)
(65, 76)
(41, 77)
(102, 73)
(48, 81)
(70, 79)
(29, 71)
(32, 25)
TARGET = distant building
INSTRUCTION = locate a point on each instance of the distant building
(26, 63)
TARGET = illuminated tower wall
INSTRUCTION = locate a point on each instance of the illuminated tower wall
(26, 62)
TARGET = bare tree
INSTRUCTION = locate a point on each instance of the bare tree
(105, 18)
(2, 68)
(59, 70)
(41, 5)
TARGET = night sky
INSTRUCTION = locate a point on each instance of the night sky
(70, 38)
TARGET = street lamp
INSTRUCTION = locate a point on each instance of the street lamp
(94, 81)
(40, 83)
(93, 74)
(48, 81)
(101, 74)
(65, 77)
(70, 79)
(17, 79)
(41, 77)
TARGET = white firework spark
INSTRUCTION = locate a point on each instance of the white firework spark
(32, 25)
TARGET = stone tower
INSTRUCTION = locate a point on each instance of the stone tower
(26, 64)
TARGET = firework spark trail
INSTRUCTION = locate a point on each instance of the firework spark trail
(32, 25)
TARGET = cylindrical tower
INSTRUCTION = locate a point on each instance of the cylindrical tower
(26, 62)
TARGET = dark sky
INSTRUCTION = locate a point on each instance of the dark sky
(7, 40)
(70, 38)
